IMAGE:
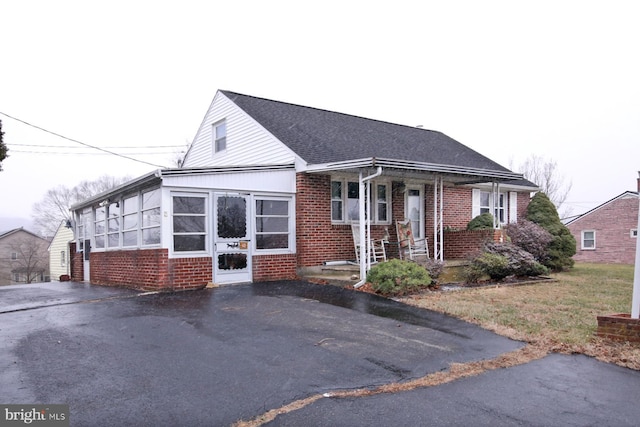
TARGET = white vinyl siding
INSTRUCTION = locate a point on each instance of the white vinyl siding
(247, 142)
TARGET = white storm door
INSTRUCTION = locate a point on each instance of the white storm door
(415, 211)
(232, 238)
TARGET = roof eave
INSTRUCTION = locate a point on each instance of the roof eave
(414, 166)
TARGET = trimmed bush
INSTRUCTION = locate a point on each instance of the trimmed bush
(531, 237)
(563, 246)
(481, 222)
(398, 277)
(501, 260)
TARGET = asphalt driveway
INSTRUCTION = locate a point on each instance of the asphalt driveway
(215, 356)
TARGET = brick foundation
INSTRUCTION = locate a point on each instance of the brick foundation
(274, 267)
(619, 327)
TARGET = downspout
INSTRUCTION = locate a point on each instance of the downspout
(365, 221)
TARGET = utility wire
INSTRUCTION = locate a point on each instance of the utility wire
(73, 146)
(89, 154)
(82, 143)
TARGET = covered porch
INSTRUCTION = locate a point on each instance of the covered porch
(438, 203)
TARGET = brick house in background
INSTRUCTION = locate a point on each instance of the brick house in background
(608, 233)
(269, 189)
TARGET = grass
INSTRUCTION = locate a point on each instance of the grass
(558, 315)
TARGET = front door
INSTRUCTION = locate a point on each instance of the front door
(414, 209)
(232, 245)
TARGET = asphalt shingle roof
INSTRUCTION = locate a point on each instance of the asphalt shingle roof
(321, 136)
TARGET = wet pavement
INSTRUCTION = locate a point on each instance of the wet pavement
(215, 356)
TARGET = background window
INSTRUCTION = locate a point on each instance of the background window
(634, 232)
(189, 223)
(589, 239)
(336, 201)
(272, 224)
(99, 227)
(151, 217)
(381, 203)
(113, 225)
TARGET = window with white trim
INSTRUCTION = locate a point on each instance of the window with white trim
(189, 223)
(634, 232)
(482, 202)
(63, 258)
(130, 221)
(113, 225)
(219, 137)
(99, 227)
(588, 239)
(14, 256)
(345, 202)
(273, 223)
(151, 217)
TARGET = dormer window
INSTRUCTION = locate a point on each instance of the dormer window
(219, 137)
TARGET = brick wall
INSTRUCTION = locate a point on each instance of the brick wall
(149, 269)
(465, 244)
(612, 223)
(317, 240)
(619, 327)
(274, 267)
(77, 264)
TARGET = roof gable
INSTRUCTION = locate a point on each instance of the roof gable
(321, 136)
(625, 195)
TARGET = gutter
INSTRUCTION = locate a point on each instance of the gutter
(365, 244)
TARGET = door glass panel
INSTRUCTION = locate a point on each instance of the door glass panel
(413, 207)
(232, 218)
(237, 261)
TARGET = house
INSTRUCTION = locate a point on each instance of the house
(59, 255)
(268, 189)
(608, 233)
(23, 257)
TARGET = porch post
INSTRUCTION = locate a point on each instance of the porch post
(438, 235)
(364, 221)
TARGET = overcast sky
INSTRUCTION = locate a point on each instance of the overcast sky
(558, 79)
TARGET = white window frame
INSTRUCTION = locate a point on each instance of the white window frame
(290, 224)
(505, 205)
(633, 233)
(14, 256)
(344, 201)
(207, 221)
(583, 240)
(219, 141)
(63, 258)
(144, 212)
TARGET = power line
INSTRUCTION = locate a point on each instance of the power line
(112, 146)
(80, 142)
(89, 154)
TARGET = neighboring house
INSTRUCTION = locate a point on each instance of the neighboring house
(269, 189)
(609, 232)
(59, 255)
(23, 257)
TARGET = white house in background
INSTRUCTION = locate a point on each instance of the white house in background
(59, 261)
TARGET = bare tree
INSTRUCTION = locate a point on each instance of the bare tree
(49, 213)
(545, 173)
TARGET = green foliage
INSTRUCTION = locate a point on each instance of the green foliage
(531, 237)
(495, 266)
(397, 277)
(563, 246)
(3, 147)
(481, 222)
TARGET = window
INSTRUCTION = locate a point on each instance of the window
(151, 217)
(483, 203)
(220, 137)
(336, 201)
(345, 202)
(130, 221)
(113, 225)
(14, 256)
(588, 239)
(634, 233)
(272, 224)
(63, 258)
(189, 223)
(99, 227)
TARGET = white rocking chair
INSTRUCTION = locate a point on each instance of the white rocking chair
(409, 247)
(377, 253)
